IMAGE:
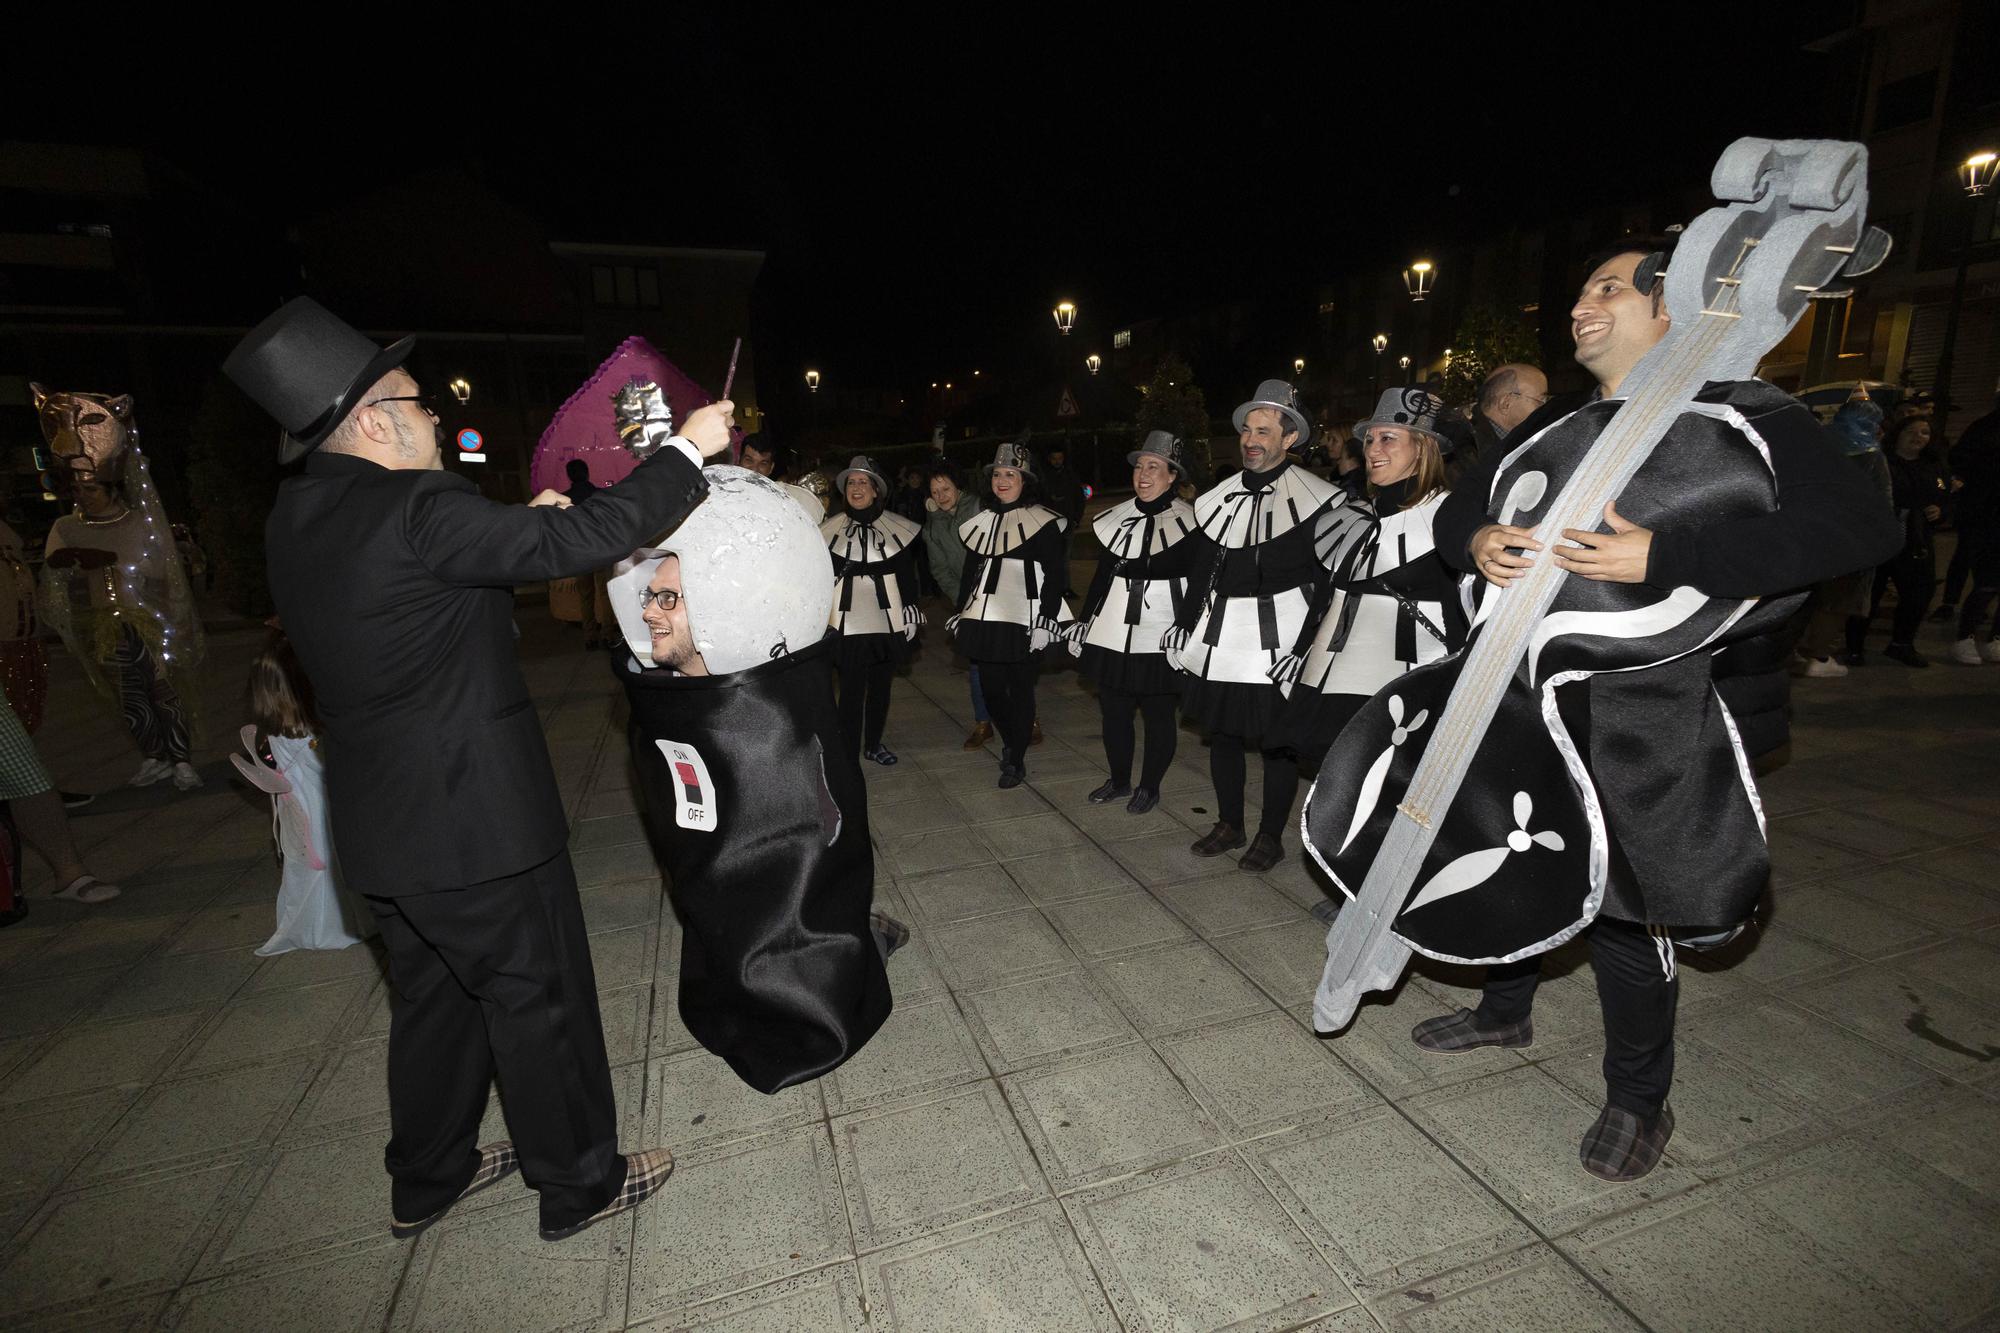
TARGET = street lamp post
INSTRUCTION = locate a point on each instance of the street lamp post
(1065, 313)
(1419, 278)
(1094, 362)
(1298, 365)
(1975, 175)
(1404, 362)
(812, 387)
(462, 390)
(1380, 342)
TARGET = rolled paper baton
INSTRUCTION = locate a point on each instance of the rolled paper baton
(728, 383)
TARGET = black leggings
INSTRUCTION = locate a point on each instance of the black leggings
(1915, 577)
(864, 703)
(1118, 709)
(1281, 783)
(1638, 988)
(1981, 548)
(1009, 688)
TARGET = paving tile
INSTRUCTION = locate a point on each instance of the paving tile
(695, 1099)
(1377, 1045)
(1531, 1288)
(1073, 872)
(626, 1016)
(926, 853)
(89, 947)
(999, 948)
(202, 981)
(913, 970)
(736, 1217)
(200, 1119)
(350, 1092)
(273, 1024)
(888, 820)
(100, 1055)
(1116, 923)
(1201, 1244)
(313, 1196)
(310, 967)
(1863, 832)
(1263, 1074)
(1910, 1014)
(235, 925)
(44, 1006)
(1972, 866)
(827, 1300)
(1797, 856)
(922, 1048)
(110, 1241)
(1286, 960)
(615, 865)
(1935, 1127)
(1159, 859)
(1225, 904)
(610, 831)
(1107, 1114)
(623, 957)
(1030, 835)
(1518, 1131)
(1916, 1235)
(1024, 1023)
(1385, 1206)
(1849, 923)
(45, 1139)
(1937, 902)
(470, 1268)
(1111, 823)
(1970, 967)
(919, 1169)
(1818, 1063)
(962, 895)
(347, 1290)
(1179, 987)
(603, 804)
(978, 795)
(1020, 1272)
(1710, 1259)
(1771, 955)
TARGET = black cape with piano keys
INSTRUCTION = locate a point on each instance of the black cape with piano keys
(780, 974)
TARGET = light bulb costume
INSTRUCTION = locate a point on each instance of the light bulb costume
(874, 605)
(114, 588)
(752, 795)
(1390, 604)
(1140, 587)
(1010, 605)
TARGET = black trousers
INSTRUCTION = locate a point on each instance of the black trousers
(1120, 737)
(1009, 688)
(495, 978)
(1639, 993)
(1226, 768)
(1915, 577)
(864, 703)
(1979, 546)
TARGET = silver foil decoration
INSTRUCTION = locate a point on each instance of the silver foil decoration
(645, 421)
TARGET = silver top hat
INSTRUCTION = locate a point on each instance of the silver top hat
(1409, 407)
(864, 465)
(1015, 456)
(1161, 444)
(1284, 399)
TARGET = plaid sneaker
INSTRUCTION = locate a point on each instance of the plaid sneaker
(1221, 838)
(890, 934)
(645, 1172)
(496, 1162)
(1457, 1033)
(1266, 850)
(1621, 1146)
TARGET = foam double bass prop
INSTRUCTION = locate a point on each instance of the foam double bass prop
(1456, 810)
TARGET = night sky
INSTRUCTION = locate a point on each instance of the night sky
(926, 189)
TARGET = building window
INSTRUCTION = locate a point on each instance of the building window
(625, 286)
(1121, 339)
(1905, 101)
(601, 285)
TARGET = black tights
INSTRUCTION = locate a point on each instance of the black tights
(1915, 577)
(1281, 783)
(864, 703)
(1119, 739)
(1009, 688)
(1980, 546)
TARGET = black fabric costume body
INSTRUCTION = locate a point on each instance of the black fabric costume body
(1011, 582)
(1135, 596)
(396, 589)
(757, 811)
(875, 589)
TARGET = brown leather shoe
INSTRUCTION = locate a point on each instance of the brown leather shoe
(980, 735)
(1034, 733)
(1222, 838)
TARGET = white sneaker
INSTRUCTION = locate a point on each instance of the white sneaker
(185, 778)
(153, 770)
(1824, 668)
(1966, 653)
(1990, 650)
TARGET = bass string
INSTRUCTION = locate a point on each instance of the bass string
(1460, 730)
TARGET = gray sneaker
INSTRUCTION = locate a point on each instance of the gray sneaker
(1454, 1034)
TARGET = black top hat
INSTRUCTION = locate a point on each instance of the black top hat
(306, 367)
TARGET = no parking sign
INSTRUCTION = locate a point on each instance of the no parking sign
(470, 443)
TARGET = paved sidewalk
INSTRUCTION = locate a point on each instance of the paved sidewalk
(1097, 1105)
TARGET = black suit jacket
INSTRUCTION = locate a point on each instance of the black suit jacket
(396, 588)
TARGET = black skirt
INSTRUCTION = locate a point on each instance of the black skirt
(1230, 708)
(855, 652)
(760, 819)
(992, 641)
(1311, 721)
(1130, 673)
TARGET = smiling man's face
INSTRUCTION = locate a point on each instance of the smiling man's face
(1613, 323)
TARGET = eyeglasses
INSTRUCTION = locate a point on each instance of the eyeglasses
(422, 400)
(666, 598)
(1531, 397)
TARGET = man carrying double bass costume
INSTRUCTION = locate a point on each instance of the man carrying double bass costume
(1638, 731)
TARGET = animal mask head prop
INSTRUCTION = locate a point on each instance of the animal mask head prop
(86, 432)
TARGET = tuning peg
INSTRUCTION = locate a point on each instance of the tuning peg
(1868, 253)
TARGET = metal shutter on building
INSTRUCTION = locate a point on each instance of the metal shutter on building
(1976, 364)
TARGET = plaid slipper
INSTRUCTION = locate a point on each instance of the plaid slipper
(645, 1172)
(1221, 838)
(496, 1162)
(1621, 1146)
(1266, 850)
(1457, 1033)
(890, 934)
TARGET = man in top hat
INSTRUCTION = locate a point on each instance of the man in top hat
(1254, 576)
(394, 580)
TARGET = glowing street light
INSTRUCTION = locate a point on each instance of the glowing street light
(1298, 365)
(812, 381)
(461, 390)
(1065, 314)
(1976, 173)
(1094, 362)
(1418, 279)
(1380, 342)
